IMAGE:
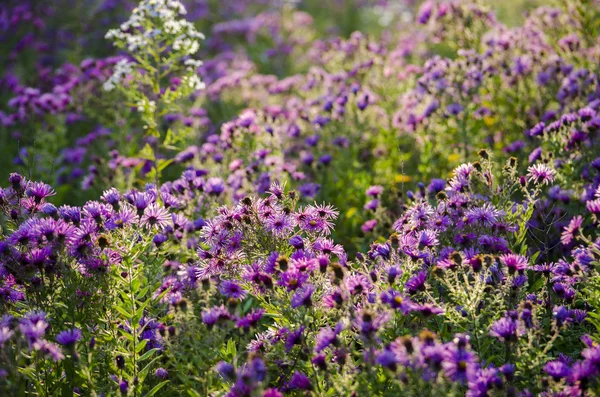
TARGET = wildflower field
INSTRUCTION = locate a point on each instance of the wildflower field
(299, 198)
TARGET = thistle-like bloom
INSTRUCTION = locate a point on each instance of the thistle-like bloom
(540, 174)
(156, 215)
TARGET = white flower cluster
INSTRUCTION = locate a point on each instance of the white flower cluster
(192, 64)
(194, 82)
(122, 69)
(163, 17)
(144, 105)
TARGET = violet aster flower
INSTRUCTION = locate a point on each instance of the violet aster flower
(569, 231)
(535, 155)
(514, 262)
(49, 349)
(39, 191)
(374, 191)
(69, 337)
(111, 196)
(369, 226)
(416, 283)
(540, 174)
(231, 289)
(299, 381)
(454, 109)
(324, 211)
(226, 371)
(302, 296)
(436, 186)
(123, 386)
(297, 242)
(33, 326)
(593, 206)
(506, 329)
(161, 373)
(327, 337)
(557, 370)
(156, 215)
(280, 224)
(250, 320)
(459, 363)
(487, 215)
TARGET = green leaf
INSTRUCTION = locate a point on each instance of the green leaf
(141, 345)
(156, 388)
(147, 355)
(123, 312)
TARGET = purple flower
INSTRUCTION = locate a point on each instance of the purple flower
(156, 215)
(459, 363)
(416, 283)
(326, 337)
(557, 370)
(39, 191)
(272, 393)
(514, 262)
(213, 315)
(374, 191)
(69, 337)
(161, 373)
(486, 215)
(561, 315)
(540, 174)
(297, 242)
(299, 381)
(569, 231)
(231, 290)
(49, 349)
(535, 155)
(226, 370)
(436, 186)
(506, 329)
(302, 296)
(454, 109)
(250, 320)
(280, 224)
(33, 326)
(369, 226)
(123, 386)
